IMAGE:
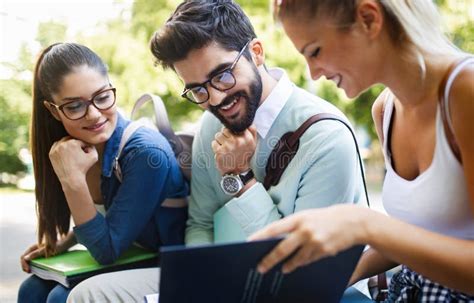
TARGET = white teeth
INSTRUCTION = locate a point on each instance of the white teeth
(337, 79)
(229, 106)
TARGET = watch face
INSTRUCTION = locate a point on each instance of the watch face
(231, 185)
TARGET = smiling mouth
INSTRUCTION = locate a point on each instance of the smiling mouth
(336, 79)
(230, 107)
(96, 126)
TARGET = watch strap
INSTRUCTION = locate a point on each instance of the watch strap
(246, 176)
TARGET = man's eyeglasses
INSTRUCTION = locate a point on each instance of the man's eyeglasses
(221, 81)
(77, 109)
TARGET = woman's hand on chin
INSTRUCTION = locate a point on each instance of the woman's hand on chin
(71, 160)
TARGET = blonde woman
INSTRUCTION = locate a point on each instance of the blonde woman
(424, 120)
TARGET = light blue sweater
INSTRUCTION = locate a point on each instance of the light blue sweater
(324, 171)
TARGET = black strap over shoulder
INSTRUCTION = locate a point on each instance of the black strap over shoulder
(286, 148)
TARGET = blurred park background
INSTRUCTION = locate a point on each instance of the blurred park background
(119, 32)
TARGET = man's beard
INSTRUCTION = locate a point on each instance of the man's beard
(249, 105)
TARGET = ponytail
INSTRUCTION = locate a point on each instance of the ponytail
(53, 64)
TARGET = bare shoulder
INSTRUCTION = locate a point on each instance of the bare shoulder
(461, 104)
(378, 111)
(463, 85)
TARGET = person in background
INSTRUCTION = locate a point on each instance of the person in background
(75, 136)
(424, 120)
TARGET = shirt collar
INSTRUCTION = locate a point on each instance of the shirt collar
(112, 146)
(268, 111)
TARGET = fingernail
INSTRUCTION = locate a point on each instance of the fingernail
(261, 269)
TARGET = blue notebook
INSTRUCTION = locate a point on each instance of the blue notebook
(227, 273)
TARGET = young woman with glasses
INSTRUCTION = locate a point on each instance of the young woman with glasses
(75, 136)
(424, 120)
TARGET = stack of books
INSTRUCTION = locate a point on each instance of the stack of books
(73, 266)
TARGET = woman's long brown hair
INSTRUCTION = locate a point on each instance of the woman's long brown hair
(53, 64)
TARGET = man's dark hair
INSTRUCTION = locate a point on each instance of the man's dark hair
(195, 24)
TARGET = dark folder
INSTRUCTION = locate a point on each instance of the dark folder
(227, 273)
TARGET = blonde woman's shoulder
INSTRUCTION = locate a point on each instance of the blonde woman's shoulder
(461, 105)
(378, 109)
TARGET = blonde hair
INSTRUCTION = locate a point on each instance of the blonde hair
(421, 24)
(413, 25)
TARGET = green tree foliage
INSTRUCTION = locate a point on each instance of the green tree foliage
(463, 37)
(51, 32)
(132, 71)
(15, 99)
(14, 116)
(123, 44)
(147, 16)
(146, 19)
(279, 52)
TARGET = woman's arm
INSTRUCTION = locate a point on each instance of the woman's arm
(66, 242)
(36, 251)
(446, 260)
(148, 176)
(370, 264)
(462, 115)
(80, 202)
(324, 232)
(71, 160)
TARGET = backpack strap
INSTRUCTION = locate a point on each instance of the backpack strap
(443, 98)
(286, 148)
(161, 119)
(131, 128)
(180, 142)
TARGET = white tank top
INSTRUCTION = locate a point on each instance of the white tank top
(438, 199)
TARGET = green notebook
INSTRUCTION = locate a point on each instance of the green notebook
(74, 266)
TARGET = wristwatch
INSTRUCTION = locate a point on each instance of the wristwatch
(232, 184)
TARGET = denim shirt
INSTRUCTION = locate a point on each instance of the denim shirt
(134, 213)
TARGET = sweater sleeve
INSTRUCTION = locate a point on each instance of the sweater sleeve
(327, 168)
